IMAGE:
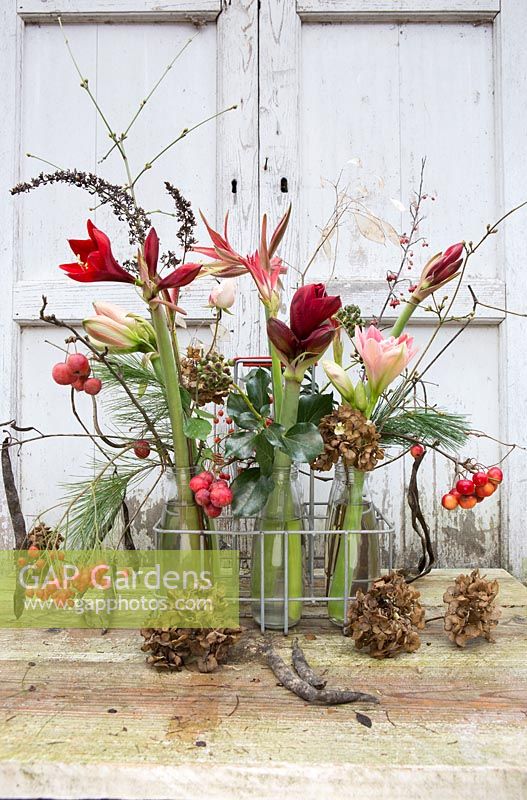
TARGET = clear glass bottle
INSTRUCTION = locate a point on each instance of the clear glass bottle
(354, 566)
(276, 561)
(180, 515)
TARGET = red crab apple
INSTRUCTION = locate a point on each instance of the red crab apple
(62, 374)
(465, 487)
(78, 384)
(220, 494)
(79, 365)
(92, 386)
(468, 501)
(417, 450)
(449, 502)
(486, 490)
(495, 475)
(480, 478)
(141, 448)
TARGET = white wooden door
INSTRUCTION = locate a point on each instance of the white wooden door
(122, 46)
(319, 83)
(385, 83)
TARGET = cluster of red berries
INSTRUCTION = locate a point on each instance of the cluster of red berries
(211, 493)
(469, 491)
(75, 372)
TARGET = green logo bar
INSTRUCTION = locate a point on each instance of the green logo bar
(119, 589)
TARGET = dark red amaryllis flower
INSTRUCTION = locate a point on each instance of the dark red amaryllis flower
(174, 280)
(95, 259)
(310, 331)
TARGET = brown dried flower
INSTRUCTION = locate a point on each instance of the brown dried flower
(349, 436)
(472, 610)
(171, 648)
(385, 619)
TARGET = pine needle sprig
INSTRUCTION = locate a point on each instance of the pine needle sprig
(121, 201)
(432, 427)
(93, 504)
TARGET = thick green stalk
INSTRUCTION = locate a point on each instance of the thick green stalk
(276, 375)
(402, 320)
(352, 522)
(175, 410)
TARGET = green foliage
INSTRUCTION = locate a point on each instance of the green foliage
(311, 408)
(251, 490)
(257, 386)
(196, 428)
(428, 426)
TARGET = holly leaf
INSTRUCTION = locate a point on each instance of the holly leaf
(250, 492)
(240, 445)
(312, 407)
(264, 453)
(195, 428)
(257, 386)
(302, 442)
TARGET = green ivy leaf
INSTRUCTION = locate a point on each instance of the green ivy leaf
(264, 453)
(302, 442)
(251, 490)
(312, 407)
(195, 428)
(257, 386)
(240, 445)
(274, 434)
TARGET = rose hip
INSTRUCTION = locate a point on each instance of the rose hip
(62, 374)
(202, 497)
(92, 386)
(79, 364)
(141, 448)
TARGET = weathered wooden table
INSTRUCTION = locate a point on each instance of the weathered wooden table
(82, 716)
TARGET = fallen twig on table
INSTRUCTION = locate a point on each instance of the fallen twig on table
(290, 680)
(303, 669)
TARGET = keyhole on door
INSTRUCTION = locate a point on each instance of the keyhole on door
(234, 185)
(283, 185)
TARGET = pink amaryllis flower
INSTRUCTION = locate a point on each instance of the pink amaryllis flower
(438, 271)
(384, 359)
(263, 265)
(310, 331)
(95, 260)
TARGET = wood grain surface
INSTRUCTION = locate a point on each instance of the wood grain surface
(83, 716)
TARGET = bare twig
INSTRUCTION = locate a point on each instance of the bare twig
(13, 500)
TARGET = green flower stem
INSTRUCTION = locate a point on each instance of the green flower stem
(170, 376)
(281, 515)
(276, 374)
(402, 320)
(352, 522)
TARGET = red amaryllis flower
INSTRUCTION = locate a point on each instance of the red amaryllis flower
(95, 260)
(263, 265)
(310, 331)
(180, 277)
(438, 271)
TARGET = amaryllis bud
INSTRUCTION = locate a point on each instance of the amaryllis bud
(438, 271)
(340, 380)
(102, 308)
(152, 251)
(136, 335)
(224, 294)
